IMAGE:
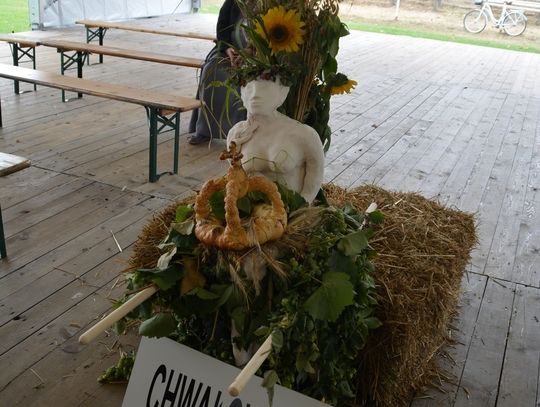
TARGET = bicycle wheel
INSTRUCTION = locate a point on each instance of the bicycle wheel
(514, 23)
(475, 21)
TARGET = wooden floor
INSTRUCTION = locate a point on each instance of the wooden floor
(454, 122)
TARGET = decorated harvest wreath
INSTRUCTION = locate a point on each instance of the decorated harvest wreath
(310, 288)
(248, 258)
(251, 258)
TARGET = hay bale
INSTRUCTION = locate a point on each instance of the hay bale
(423, 249)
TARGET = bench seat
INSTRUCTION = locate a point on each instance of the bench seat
(99, 24)
(163, 109)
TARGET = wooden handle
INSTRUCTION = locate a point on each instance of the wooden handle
(117, 314)
(251, 367)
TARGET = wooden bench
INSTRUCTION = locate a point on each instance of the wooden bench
(9, 164)
(97, 29)
(81, 51)
(163, 110)
(22, 50)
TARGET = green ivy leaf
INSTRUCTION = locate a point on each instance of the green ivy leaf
(166, 279)
(217, 204)
(372, 322)
(270, 379)
(261, 331)
(185, 227)
(244, 205)
(158, 326)
(119, 327)
(353, 243)
(204, 294)
(340, 262)
(277, 340)
(183, 212)
(331, 298)
(291, 199)
(165, 258)
(376, 217)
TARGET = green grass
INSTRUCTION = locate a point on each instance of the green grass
(14, 16)
(389, 28)
(207, 8)
(396, 30)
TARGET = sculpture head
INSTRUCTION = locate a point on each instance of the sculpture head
(262, 96)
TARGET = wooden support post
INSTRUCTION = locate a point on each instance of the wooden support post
(117, 314)
(251, 368)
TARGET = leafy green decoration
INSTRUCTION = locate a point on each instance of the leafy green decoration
(120, 372)
(376, 217)
(158, 326)
(340, 262)
(291, 199)
(185, 227)
(269, 381)
(164, 279)
(353, 243)
(330, 299)
(183, 212)
(217, 204)
(165, 258)
(204, 294)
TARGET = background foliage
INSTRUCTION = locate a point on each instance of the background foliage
(14, 16)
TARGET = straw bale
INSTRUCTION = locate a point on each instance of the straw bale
(423, 249)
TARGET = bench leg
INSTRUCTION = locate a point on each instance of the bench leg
(155, 118)
(66, 61)
(91, 34)
(152, 164)
(176, 142)
(18, 53)
(3, 251)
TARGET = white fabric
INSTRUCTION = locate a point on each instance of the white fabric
(54, 13)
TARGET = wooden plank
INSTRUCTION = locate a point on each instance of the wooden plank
(21, 186)
(449, 125)
(480, 379)
(397, 177)
(76, 248)
(457, 180)
(116, 92)
(21, 40)
(452, 360)
(27, 213)
(59, 330)
(124, 53)
(129, 27)
(494, 190)
(502, 253)
(10, 163)
(519, 380)
(109, 91)
(448, 153)
(56, 292)
(46, 236)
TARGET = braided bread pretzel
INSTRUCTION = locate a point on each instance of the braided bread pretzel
(268, 221)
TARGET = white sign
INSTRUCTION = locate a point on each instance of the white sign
(168, 374)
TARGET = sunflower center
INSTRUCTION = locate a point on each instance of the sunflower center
(279, 33)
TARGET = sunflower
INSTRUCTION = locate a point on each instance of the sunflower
(282, 29)
(340, 84)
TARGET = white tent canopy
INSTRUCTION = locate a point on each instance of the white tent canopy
(54, 13)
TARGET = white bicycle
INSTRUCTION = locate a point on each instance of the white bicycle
(513, 22)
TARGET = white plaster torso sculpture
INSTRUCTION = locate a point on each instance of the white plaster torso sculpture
(275, 145)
